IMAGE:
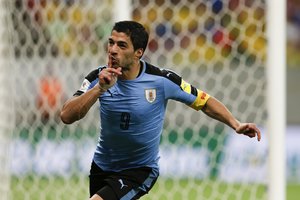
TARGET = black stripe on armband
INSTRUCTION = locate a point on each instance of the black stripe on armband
(93, 75)
(194, 91)
(78, 93)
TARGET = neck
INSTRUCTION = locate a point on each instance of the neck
(132, 72)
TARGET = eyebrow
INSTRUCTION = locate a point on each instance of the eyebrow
(118, 42)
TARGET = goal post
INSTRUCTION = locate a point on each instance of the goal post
(122, 10)
(276, 97)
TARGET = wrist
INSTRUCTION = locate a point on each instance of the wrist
(100, 89)
(235, 124)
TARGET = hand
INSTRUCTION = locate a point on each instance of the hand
(108, 77)
(249, 129)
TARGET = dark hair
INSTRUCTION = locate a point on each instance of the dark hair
(136, 31)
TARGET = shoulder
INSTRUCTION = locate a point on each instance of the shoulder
(162, 72)
(89, 80)
(93, 75)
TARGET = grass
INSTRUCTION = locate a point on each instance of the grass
(58, 188)
(293, 191)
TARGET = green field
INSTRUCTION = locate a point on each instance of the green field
(57, 188)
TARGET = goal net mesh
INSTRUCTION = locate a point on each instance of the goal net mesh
(217, 46)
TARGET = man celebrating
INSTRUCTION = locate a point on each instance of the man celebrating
(133, 96)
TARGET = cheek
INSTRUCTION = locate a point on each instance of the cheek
(127, 58)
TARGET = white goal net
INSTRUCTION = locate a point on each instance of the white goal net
(48, 48)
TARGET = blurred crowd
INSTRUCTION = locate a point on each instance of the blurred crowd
(293, 33)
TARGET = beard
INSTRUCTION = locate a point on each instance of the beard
(125, 68)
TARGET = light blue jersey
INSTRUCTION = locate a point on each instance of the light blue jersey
(132, 115)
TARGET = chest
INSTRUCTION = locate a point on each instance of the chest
(138, 99)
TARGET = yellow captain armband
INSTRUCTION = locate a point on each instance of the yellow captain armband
(200, 100)
(185, 86)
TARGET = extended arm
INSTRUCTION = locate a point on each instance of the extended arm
(217, 110)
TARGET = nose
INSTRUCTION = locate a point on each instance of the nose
(112, 49)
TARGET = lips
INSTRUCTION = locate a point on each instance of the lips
(113, 61)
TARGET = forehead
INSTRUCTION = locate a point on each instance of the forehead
(120, 37)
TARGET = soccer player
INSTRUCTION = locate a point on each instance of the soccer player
(133, 96)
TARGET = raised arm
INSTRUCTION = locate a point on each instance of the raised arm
(217, 110)
(77, 107)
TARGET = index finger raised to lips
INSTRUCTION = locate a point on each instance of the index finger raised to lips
(114, 71)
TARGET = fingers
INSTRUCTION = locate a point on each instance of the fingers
(250, 130)
(108, 77)
(109, 64)
(109, 73)
(114, 71)
(258, 133)
(112, 62)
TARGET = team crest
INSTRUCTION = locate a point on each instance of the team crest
(150, 95)
(85, 85)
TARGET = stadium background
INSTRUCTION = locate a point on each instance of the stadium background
(216, 45)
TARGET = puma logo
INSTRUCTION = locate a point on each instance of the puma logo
(122, 184)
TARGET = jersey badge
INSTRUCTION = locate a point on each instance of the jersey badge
(85, 85)
(150, 95)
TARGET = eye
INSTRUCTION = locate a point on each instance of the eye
(122, 46)
(110, 42)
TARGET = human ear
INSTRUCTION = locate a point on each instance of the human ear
(139, 52)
